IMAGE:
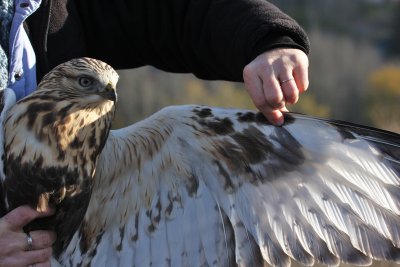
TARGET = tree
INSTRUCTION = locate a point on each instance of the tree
(383, 98)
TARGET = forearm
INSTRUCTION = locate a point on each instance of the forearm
(212, 39)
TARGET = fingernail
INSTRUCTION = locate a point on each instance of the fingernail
(279, 121)
(48, 211)
(282, 104)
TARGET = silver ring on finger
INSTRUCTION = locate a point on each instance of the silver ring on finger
(29, 241)
(285, 81)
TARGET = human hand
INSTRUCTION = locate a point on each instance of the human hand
(274, 79)
(14, 248)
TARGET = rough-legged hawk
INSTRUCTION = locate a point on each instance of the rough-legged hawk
(200, 186)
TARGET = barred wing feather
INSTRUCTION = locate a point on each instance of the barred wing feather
(199, 186)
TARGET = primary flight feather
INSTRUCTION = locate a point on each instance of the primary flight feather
(201, 186)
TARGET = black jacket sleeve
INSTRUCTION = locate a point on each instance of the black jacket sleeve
(214, 39)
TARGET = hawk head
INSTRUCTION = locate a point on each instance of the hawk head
(82, 78)
(53, 138)
(72, 99)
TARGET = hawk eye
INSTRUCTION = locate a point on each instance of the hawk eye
(85, 81)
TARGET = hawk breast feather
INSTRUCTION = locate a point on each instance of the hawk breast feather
(200, 186)
(53, 138)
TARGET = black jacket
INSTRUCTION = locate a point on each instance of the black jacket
(214, 39)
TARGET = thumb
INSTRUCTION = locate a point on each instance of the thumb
(19, 217)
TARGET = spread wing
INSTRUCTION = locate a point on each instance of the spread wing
(198, 186)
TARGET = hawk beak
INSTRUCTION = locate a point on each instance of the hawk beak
(109, 92)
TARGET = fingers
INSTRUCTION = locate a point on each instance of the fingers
(15, 252)
(272, 91)
(300, 74)
(42, 239)
(276, 78)
(15, 243)
(21, 216)
(36, 256)
(267, 101)
(26, 258)
(288, 85)
(43, 264)
(15, 249)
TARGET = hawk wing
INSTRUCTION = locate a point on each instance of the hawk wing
(198, 186)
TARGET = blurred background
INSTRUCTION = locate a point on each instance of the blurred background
(354, 68)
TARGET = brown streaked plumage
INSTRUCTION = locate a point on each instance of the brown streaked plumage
(52, 141)
(201, 186)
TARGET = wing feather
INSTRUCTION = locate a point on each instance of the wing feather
(199, 186)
